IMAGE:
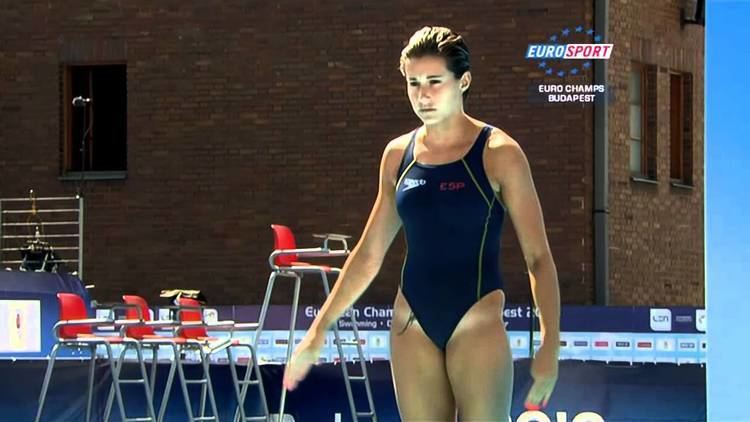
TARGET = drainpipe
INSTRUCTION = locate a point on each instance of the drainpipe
(601, 164)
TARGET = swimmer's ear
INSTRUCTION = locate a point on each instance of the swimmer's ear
(465, 81)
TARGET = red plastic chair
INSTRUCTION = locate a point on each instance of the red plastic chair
(75, 330)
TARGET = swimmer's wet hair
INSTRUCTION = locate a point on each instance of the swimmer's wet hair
(442, 42)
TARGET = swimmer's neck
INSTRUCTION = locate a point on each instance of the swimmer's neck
(449, 132)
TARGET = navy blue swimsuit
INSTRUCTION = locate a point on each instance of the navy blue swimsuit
(452, 220)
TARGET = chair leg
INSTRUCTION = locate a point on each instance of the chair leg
(110, 402)
(183, 384)
(252, 367)
(168, 386)
(45, 384)
(340, 349)
(90, 391)
(258, 376)
(236, 385)
(149, 393)
(202, 410)
(290, 344)
(264, 307)
(209, 385)
(115, 368)
(154, 363)
(111, 395)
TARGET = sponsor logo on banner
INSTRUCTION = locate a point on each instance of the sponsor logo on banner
(644, 345)
(691, 345)
(211, 315)
(601, 344)
(660, 319)
(665, 345)
(700, 320)
(623, 345)
(518, 342)
(581, 344)
(683, 319)
(378, 341)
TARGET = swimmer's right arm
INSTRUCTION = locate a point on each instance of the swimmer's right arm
(365, 260)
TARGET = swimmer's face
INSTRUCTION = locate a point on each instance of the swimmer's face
(434, 92)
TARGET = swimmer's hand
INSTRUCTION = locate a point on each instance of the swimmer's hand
(544, 372)
(303, 358)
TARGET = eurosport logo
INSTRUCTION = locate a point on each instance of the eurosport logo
(568, 53)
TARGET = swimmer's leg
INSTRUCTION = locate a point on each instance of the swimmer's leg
(480, 363)
(423, 392)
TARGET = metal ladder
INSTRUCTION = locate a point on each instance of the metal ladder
(206, 387)
(364, 378)
(143, 380)
(245, 384)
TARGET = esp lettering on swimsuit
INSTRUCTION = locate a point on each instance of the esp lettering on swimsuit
(450, 186)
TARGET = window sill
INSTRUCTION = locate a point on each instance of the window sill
(682, 185)
(644, 180)
(74, 176)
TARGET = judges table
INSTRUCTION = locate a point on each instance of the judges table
(29, 310)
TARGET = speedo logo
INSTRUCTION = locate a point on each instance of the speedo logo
(413, 183)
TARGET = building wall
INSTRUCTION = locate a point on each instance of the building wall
(656, 230)
(242, 114)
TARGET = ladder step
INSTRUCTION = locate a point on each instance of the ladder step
(203, 381)
(348, 343)
(249, 382)
(205, 418)
(255, 418)
(131, 381)
(146, 419)
(358, 378)
(365, 414)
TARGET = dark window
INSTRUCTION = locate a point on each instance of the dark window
(681, 128)
(642, 93)
(103, 120)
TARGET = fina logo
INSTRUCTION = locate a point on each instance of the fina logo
(661, 320)
(559, 49)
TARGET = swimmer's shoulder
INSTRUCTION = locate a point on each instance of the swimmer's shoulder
(499, 141)
(501, 152)
(394, 154)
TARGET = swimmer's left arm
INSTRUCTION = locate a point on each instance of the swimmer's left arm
(507, 164)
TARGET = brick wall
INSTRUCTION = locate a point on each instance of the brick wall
(656, 230)
(245, 114)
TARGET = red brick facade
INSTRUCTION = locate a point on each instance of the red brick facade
(244, 114)
(656, 231)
